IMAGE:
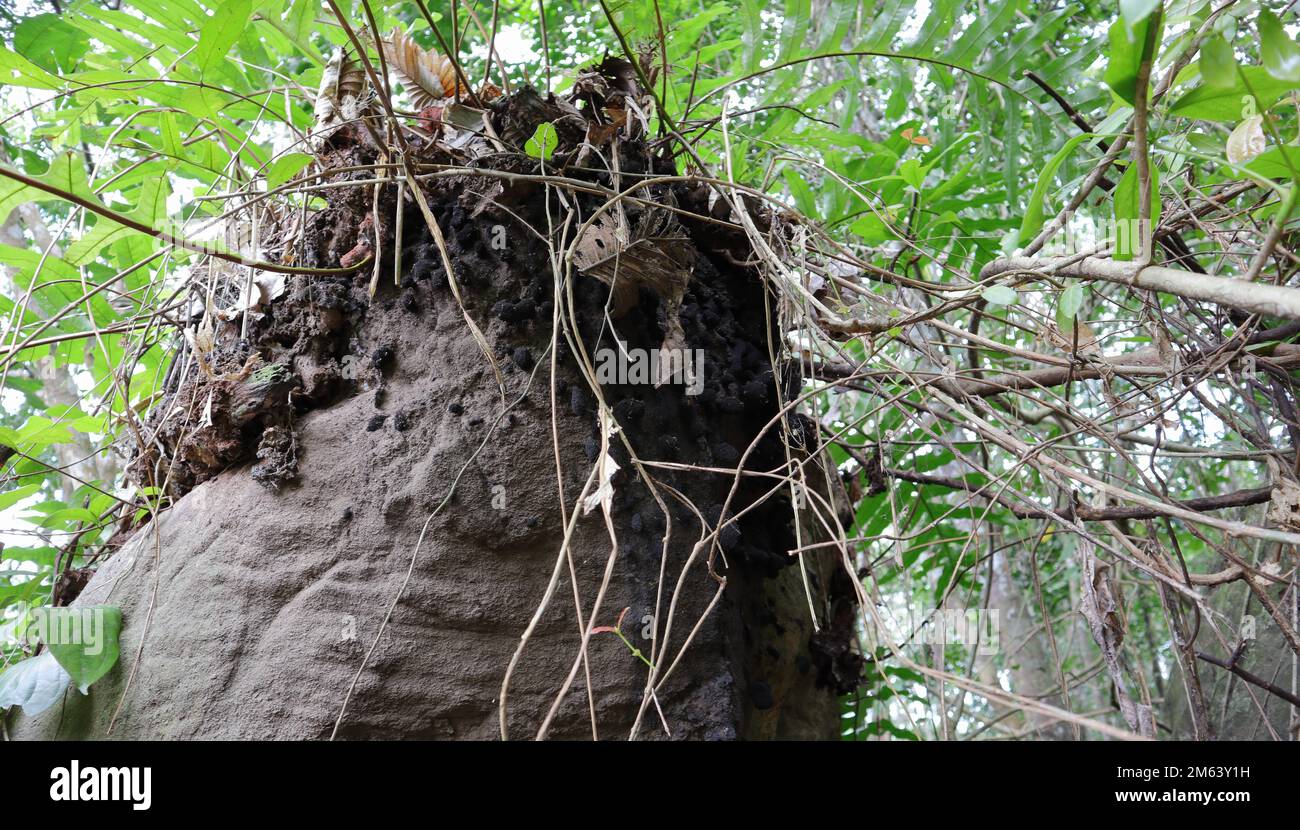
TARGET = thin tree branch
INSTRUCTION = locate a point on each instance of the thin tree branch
(1256, 298)
(1253, 679)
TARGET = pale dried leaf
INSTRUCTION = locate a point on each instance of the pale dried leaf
(1065, 341)
(206, 420)
(338, 98)
(463, 117)
(1100, 608)
(1285, 506)
(603, 496)
(265, 288)
(656, 254)
(1247, 140)
(327, 93)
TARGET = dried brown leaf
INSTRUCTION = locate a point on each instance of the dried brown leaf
(656, 254)
(339, 97)
(1285, 506)
(429, 76)
(1100, 608)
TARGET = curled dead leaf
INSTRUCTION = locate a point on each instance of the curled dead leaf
(1247, 140)
(1066, 341)
(1284, 508)
(655, 253)
(603, 496)
(1100, 605)
(339, 98)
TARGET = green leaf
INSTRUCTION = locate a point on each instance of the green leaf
(1000, 295)
(1135, 11)
(16, 70)
(67, 172)
(50, 43)
(219, 33)
(543, 143)
(1126, 47)
(1218, 64)
(67, 517)
(35, 684)
(804, 197)
(1127, 205)
(302, 19)
(35, 435)
(171, 135)
(1227, 103)
(85, 640)
(1033, 221)
(1279, 52)
(912, 173)
(12, 497)
(1276, 162)
(1067, 307)
(285, 168)
(41, 556)
(905, 673)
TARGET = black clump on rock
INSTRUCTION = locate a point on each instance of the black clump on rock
(730, 404)
(523, 358)
(579, 401)
(755, 391)
(525, 309)
(725, 454)
(515, 312)
(422, 269)
(382, 358)
(729, 537)
(629, 411)
(670, 446)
